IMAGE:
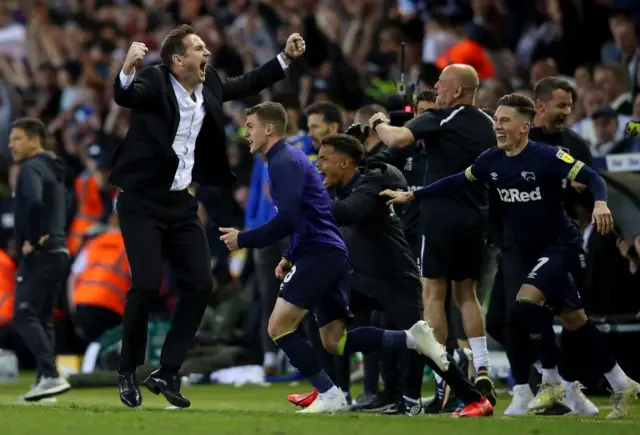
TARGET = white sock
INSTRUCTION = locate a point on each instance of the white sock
(411, 342)
(522, 387)
(617, 378)
(480, 353)
(270, 359)
(437, 377)
(332, 392)
(551, 376)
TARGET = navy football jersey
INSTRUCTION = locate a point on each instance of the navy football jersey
(530, 190)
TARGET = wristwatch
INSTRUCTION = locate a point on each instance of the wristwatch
(377, 122)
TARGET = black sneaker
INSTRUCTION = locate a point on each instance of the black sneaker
(435, 406)
(363, 399)
(484, 384)
(556, 409)
(381, 402)
(404, 407)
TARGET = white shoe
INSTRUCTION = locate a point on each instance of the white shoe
(520, 400)
(46, 400)
(47, 387)
(427, 345)
(578, 402)
(622, 399)
(548, 395)
(327, 404)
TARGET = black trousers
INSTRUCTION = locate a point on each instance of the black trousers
(155, 230)
(401, 303)
(40, 278)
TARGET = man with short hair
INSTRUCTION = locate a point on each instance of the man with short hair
(40, 217)
(527, 176)
(315, 269)
(176, 137)
(322, 119)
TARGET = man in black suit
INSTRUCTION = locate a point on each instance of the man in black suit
(176, 136)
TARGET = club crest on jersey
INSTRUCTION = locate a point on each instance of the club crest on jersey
(515, 195)
(528, 175)
(494, 176)
(565, 157)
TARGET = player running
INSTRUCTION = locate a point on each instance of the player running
(527, 176)
(315, 270)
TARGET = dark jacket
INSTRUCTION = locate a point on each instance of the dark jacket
(372, 231)
(40, 202)
(146, 163)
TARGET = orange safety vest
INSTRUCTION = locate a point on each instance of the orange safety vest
(8, 272)
(90, 211)
(106, 279)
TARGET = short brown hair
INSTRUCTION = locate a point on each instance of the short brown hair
(345, 144)
(371, 109)
(428, 95)
(270, 113)
(32, 127)
(545, 87)
(174, 43)
(523, 105)
(329, 111)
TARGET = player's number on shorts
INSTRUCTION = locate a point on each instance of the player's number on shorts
(541, 262)
(288, 276)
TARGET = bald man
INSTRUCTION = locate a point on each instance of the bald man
(453, 228)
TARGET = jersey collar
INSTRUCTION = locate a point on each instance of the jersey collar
(276, 147)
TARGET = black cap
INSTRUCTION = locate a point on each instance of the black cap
(604, 112)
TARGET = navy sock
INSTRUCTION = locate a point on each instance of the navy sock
(537, 320)
(369, 339)
(589, 343)
(303, 358)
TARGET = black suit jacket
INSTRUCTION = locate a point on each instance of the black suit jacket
(145, 163)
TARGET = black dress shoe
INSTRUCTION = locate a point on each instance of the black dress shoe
(129, 391)
(169, 385)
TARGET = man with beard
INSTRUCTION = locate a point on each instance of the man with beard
(322, 119)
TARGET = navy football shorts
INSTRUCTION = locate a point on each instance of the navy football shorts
(551, 274)
(320, 284)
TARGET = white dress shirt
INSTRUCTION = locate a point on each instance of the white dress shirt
(191, 117)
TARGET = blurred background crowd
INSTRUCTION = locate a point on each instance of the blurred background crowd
(58, 59)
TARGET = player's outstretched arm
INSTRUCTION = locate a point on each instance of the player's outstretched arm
(444, 187)
(130, 91)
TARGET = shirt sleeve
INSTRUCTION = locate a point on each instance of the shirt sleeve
(424, 124)
(31, 189)
(359, 204)
(283, 64)
(126, 80)
(479, 170)
(564, 165)
(290, 179)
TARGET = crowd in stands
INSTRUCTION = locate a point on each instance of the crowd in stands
(59, 58)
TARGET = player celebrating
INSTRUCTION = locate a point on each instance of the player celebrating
(527, 176)
(316, 267)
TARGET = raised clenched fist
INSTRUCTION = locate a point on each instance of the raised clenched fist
(136, 52)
